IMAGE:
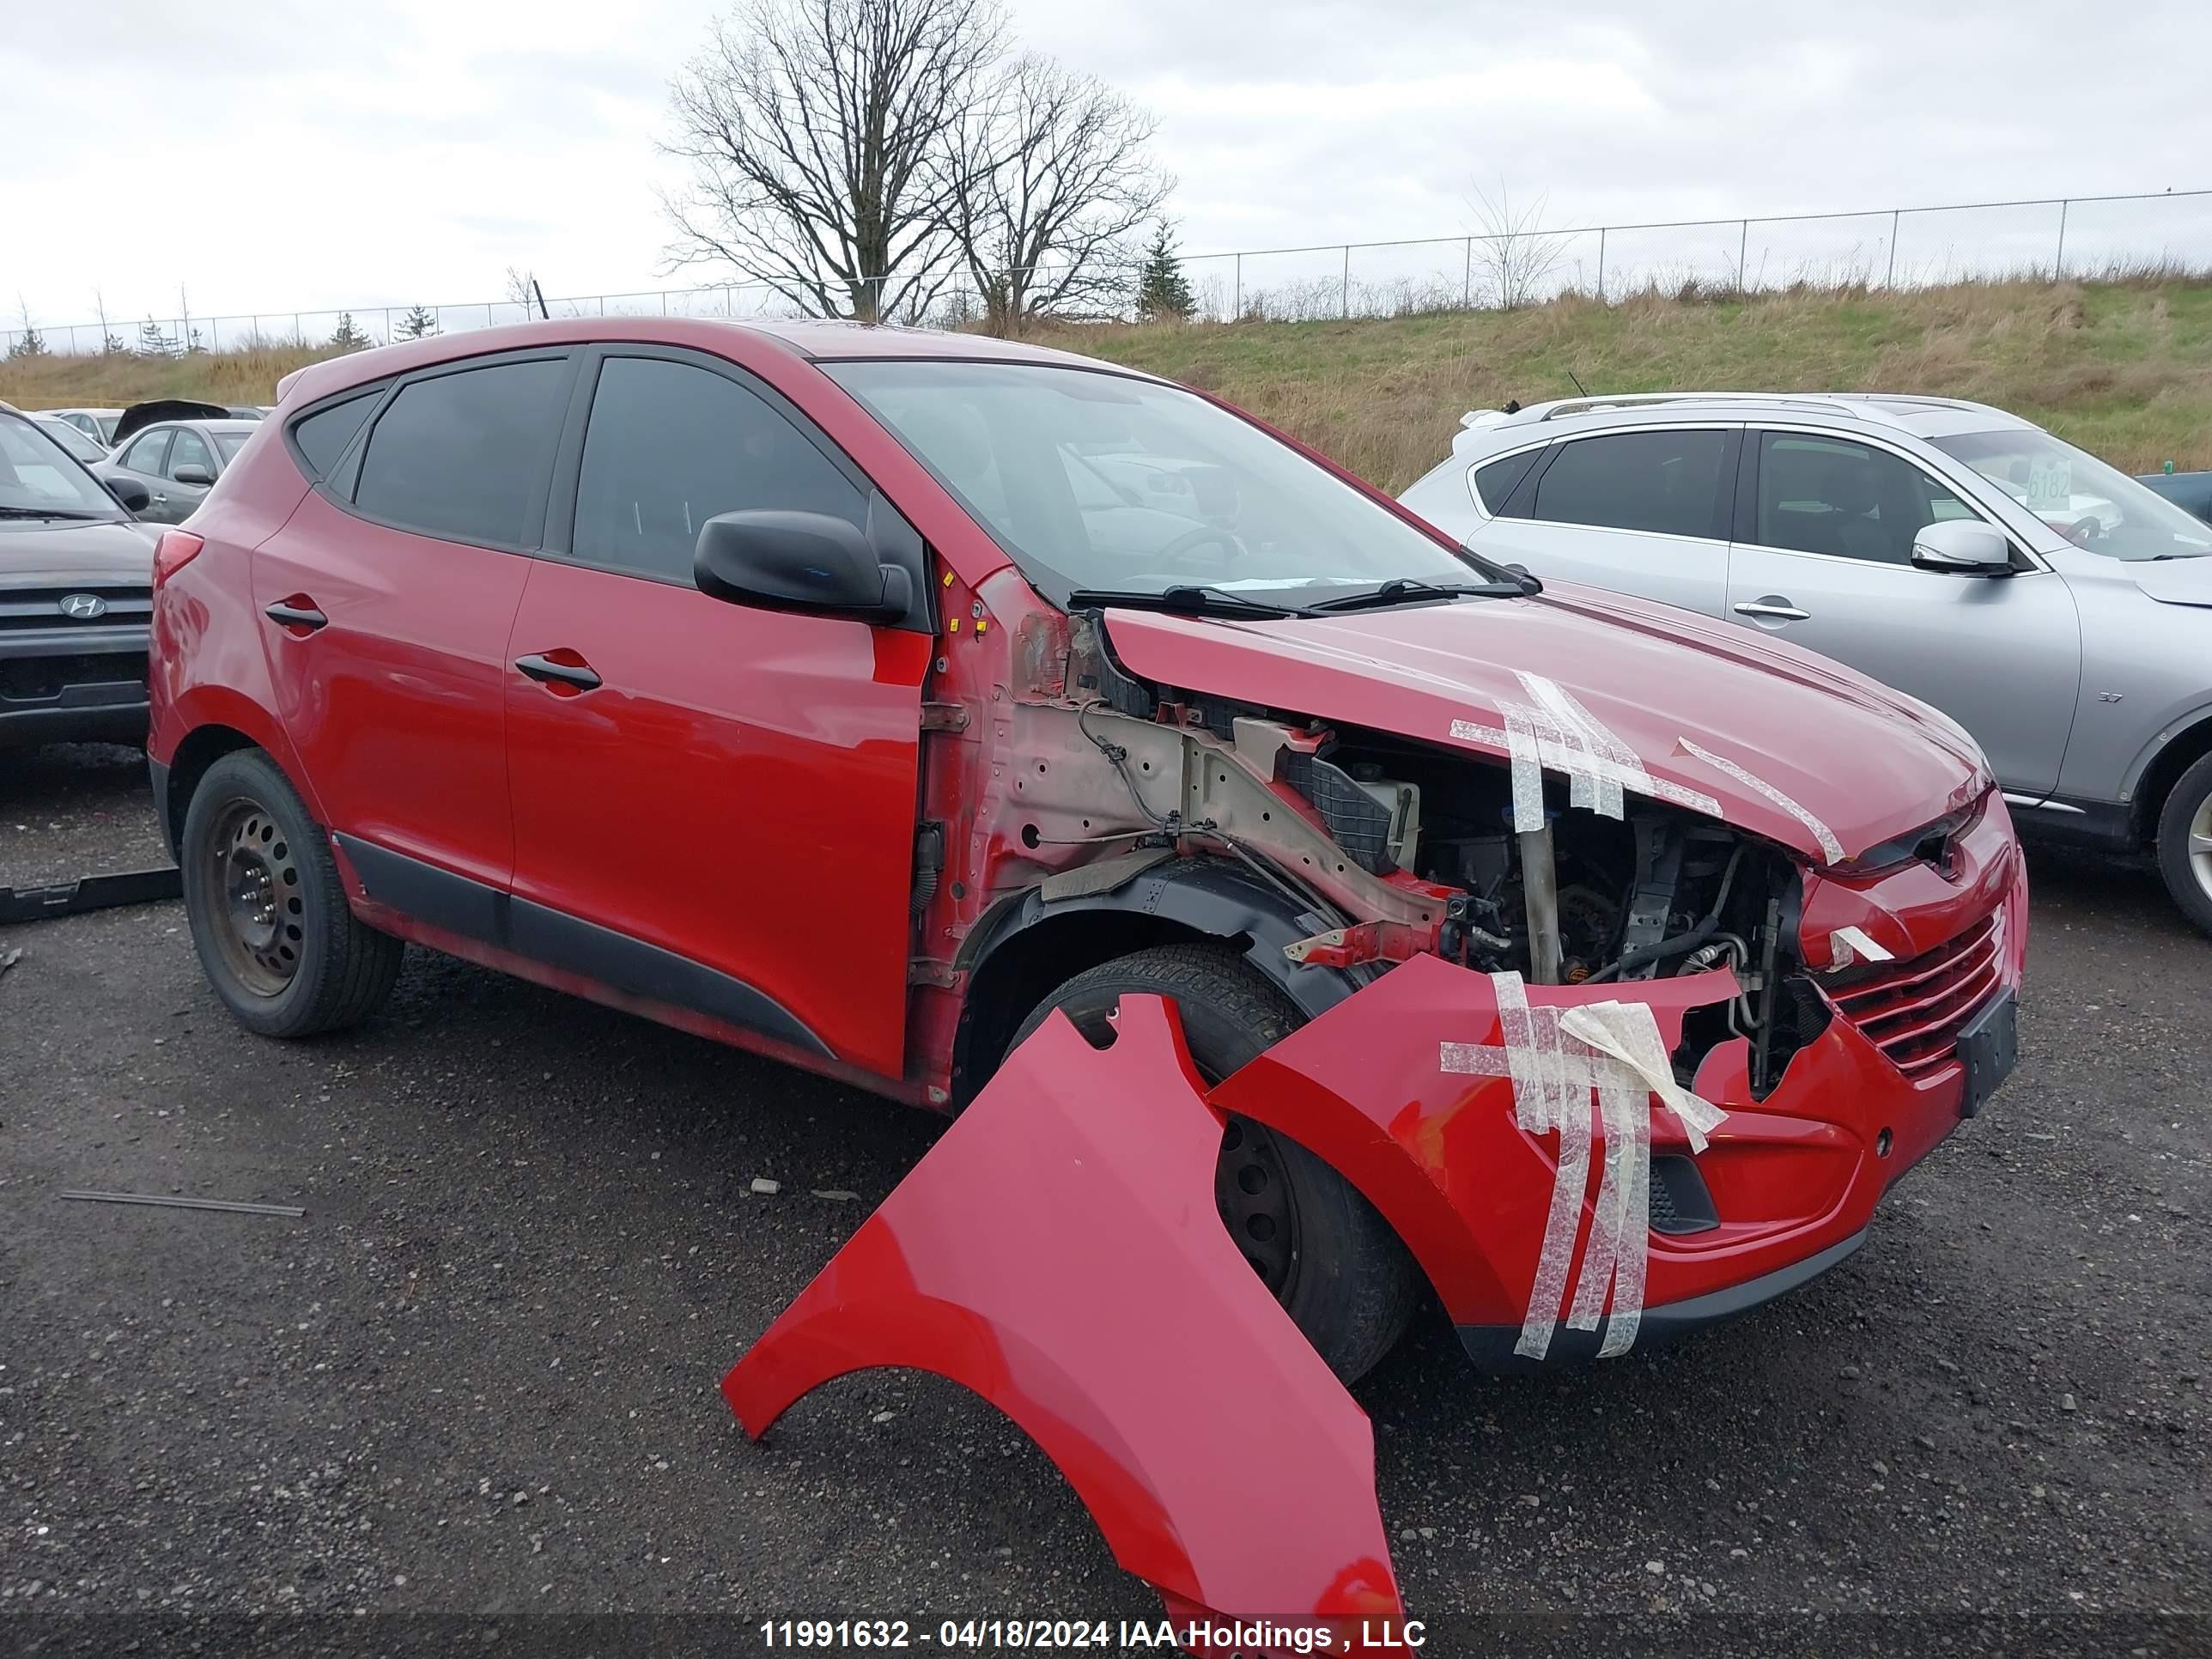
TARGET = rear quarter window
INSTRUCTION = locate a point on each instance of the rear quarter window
(1494, 481)
(321, 438)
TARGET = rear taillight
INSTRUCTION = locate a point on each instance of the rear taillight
(176, 550)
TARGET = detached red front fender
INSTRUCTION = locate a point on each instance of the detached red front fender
(1059, 1253)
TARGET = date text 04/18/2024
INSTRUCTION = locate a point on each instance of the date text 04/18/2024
(1096, 1634)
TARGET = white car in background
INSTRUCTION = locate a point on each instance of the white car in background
(95, 422)
(2055, 607)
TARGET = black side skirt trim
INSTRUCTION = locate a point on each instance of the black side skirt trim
(476, 910)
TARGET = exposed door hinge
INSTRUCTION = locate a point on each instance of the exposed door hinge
(944, 717)
(921, 970)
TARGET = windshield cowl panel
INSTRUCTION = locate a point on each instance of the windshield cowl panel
(1090, 480)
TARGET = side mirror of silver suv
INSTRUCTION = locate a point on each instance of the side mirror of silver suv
(1962, 547)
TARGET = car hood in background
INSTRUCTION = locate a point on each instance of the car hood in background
(54, 552)
(2174, 582)
(141, 416)
(1861, 763)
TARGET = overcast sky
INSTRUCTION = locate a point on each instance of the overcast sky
(279, 154)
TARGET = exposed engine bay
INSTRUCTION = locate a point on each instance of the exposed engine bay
(1400, 847)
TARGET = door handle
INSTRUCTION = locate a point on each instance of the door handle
(1784, 612)
(296, 616)
(577, 675)
(161, 500)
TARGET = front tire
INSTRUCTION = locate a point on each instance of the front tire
(2184, 843)
(268, 912)
(1321, 1248)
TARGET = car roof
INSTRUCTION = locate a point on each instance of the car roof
(814, 339)
(1896, 411)
(223, 427)
(76, 408)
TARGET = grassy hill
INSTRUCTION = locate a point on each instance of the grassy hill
(2122, 368)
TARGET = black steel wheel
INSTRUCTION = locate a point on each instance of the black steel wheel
(268, 912)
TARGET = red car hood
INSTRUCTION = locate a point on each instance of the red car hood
(1866, 762)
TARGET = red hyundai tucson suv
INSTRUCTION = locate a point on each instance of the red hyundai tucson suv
(860, 696)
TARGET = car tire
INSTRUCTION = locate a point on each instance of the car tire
(2185, 842)
(268, 912)
(1329, 1257)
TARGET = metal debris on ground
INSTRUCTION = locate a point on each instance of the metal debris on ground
(766, 1188)
(231, 1205)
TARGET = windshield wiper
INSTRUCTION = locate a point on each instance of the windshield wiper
(48, 513)
(1189, 598)
(1403, 590)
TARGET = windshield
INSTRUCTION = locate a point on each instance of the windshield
(79, 443)
(38, 476)
(1098, 481)
(2095, 506)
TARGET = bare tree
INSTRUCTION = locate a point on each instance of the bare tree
(521, 288)
(1049, 222)
(820, 139)
(1513, 253)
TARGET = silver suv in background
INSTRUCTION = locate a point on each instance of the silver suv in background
(2052, 605)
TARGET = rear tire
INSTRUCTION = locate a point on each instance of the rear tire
(1322, 1249)
(2185, 842)
(268, 912)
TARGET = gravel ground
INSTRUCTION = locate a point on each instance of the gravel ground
(471, 1397)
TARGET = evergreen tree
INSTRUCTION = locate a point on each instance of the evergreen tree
(30, 342)
(110, 343)
(417, 325)
(152, 343)
(348, 337)
(1162, 291)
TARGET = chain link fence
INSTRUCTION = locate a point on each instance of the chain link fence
(1892, 247)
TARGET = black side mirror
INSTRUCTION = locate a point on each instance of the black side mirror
(797, 562)
(133, 496)
(193, 475)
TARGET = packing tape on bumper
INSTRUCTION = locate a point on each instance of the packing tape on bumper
(1557, 1058)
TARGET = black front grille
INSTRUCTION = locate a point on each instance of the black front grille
(42, 679)
(38, 610)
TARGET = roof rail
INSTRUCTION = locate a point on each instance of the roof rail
(1565, 406)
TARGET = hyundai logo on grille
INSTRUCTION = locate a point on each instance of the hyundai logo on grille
(83, 607)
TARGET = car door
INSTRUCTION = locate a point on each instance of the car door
(189, 471)
(1822, 558)
(388, 598)
(714, 806)
(1642, 511)
(145, 458)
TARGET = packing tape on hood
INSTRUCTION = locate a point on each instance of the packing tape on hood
(1556, 1058)
(1831, 848)
(1552, 729)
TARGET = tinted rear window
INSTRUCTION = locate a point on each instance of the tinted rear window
(323, 436)
(1657, 481)
(465, 457)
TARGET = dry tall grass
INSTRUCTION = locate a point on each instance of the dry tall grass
(248, 375)
(2122, 368)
